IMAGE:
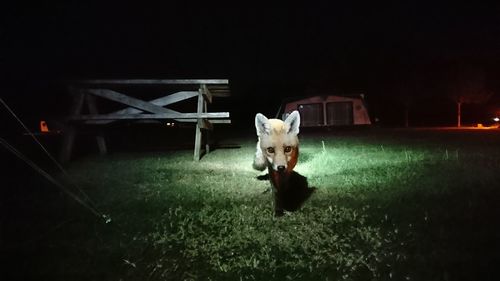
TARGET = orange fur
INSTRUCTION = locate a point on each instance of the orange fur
(277, 150)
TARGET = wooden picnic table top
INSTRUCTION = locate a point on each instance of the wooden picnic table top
(217, 87)
(154, 81)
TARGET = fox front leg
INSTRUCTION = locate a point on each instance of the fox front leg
(278, 205)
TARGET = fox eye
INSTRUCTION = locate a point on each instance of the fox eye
(288, 149)
(270, 150)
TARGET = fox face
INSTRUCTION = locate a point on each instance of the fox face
(278, 145)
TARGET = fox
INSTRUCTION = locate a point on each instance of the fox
(278, 151)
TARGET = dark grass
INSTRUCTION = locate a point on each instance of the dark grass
(388, 205)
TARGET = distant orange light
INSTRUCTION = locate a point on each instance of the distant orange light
(480, 126)
(43, 127)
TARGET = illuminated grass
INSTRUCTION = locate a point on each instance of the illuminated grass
(383, 209)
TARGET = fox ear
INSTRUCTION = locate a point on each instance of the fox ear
(293, 122)
(262, 125)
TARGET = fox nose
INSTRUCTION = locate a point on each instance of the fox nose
(281, 168)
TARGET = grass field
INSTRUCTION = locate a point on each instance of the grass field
(388, 205)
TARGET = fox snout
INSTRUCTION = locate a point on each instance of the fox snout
(279, 167)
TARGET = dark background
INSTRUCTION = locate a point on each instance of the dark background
(267, 53)
(392, 52)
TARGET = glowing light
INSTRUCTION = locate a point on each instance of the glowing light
(481, 126)
(43, 127)
(496, 119)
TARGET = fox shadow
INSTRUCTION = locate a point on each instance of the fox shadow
(295, 192)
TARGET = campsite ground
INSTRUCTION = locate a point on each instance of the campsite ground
(390, 204)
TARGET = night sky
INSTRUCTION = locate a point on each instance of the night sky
(267, 53)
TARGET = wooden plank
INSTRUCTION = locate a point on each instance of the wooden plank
(197, 137)
(68, 142)
(162, 113)
(163, 101)
(151, 81)
(101, 142)
(205, 124)
(208, 128)
(176, 97)
(130, 101)
(221, 95)
(69, 135)
(218, 87)
(212, 121)
(155, 120)
(220, 121)
(206, 93)
(150, 116)
(207, 141)
(219, 90)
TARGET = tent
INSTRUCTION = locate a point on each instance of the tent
(328, 110)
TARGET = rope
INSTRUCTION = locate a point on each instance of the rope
(12, 149)
(50, 178)
(58, 165)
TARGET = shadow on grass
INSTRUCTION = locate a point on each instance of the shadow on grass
(295, 193)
